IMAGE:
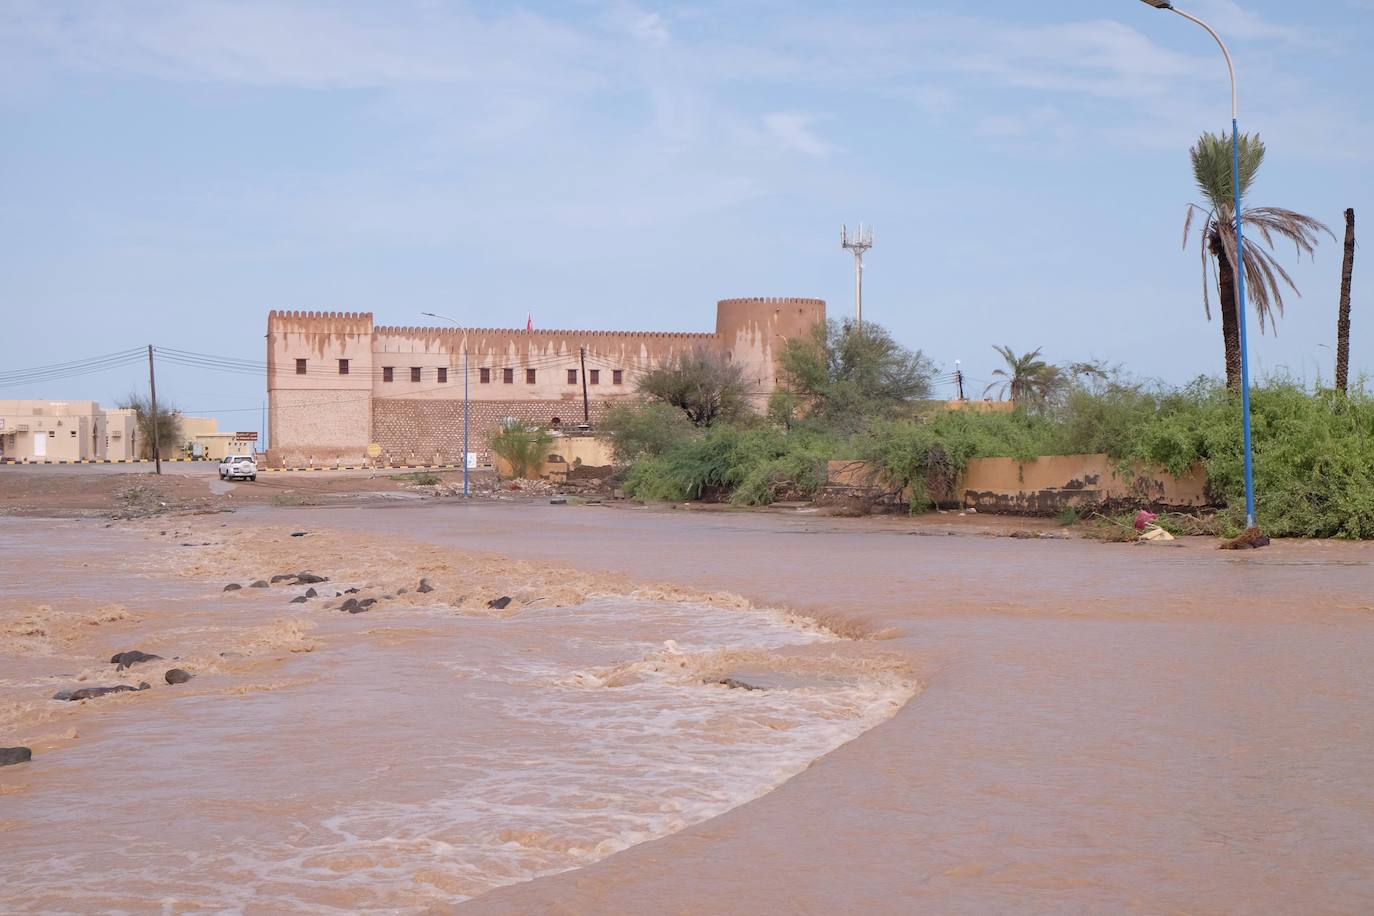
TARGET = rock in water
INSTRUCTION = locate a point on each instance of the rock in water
(261, 583)
(425, 588)
(1252, 539)
(232, 587)
(177, 676)
(499, 603)
(308, 578)
(298, 534)
(131, 658)
(90, 693)
(299, 599)
(734, 684)
(311, 593)
(282, 578)
(12, 755)
(352, 591)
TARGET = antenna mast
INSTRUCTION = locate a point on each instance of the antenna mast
(858, 243)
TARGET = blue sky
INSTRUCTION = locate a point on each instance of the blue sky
(171, 171)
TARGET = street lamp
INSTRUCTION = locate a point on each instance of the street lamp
(1239, 265)
(465, 394)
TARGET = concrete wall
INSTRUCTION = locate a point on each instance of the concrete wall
(404, 386)
(566, 455)
(1044, 486)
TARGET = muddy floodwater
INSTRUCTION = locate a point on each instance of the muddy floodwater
(680, 712)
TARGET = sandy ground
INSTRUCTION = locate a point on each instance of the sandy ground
(1100, 727)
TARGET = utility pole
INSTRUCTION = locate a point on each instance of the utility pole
(152, 394)
(959, 377)
(586, 410)
(858, 244)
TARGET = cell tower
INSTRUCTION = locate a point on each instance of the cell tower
(858, 243)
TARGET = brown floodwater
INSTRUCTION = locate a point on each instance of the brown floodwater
(1098, 728)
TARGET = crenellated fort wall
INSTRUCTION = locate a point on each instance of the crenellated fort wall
(336, 382)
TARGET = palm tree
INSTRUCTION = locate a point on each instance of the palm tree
(1343, 313)
(1026, 377)
(1211, 158)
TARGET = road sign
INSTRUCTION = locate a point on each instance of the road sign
(246, 437)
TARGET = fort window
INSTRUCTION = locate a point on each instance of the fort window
(387, 372)
(508, 376)
(529, 376)
(556, 423)
(484, 375)
(617, 376)
(443, 375)
(414, 373)
(596, 376)
(572, 376)
(300, 367)
(343, 367)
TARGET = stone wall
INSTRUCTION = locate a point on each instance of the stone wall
(431, 432)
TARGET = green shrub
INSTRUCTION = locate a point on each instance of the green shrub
(523, 446)
(645, 430)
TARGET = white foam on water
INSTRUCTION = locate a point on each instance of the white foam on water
(423, 769)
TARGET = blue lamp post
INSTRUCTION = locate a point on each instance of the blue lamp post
(465, 396)
(1239, 265)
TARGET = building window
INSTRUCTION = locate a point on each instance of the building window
(529, 376)
(300, 367)
(387, 373)
(343, 367)
(596, 376)
(443, 375)
(617, 376)
(508, 376)
(572, 376)
(556, 423)
(484, 375)
(73, 434)
(414, 373)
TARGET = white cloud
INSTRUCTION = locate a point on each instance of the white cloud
(793, 131)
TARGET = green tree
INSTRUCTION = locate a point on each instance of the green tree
(523, 446)
(701, 384)
(844, 374)
(1028, 379)
(1264, 276)
(645, 430)
(168, 425)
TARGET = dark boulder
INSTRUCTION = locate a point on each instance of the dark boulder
(12, 755)
(298, 534)
(307, 578)
(311, 593)
(425, 588)
(131, 658)
(232, 587)
(299, 599)
(734, 684)
(352, 591)
(499, 603)
(178, 676)
(282, 578)
(90, 693)
(350, 605)
(261, 583)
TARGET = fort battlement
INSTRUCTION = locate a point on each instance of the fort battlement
(337, 383)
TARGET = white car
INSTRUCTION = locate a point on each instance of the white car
(238, 466)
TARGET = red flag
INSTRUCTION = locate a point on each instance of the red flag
(529, 322)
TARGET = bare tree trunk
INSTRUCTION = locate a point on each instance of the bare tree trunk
(1226, 302)
(1343, 320)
